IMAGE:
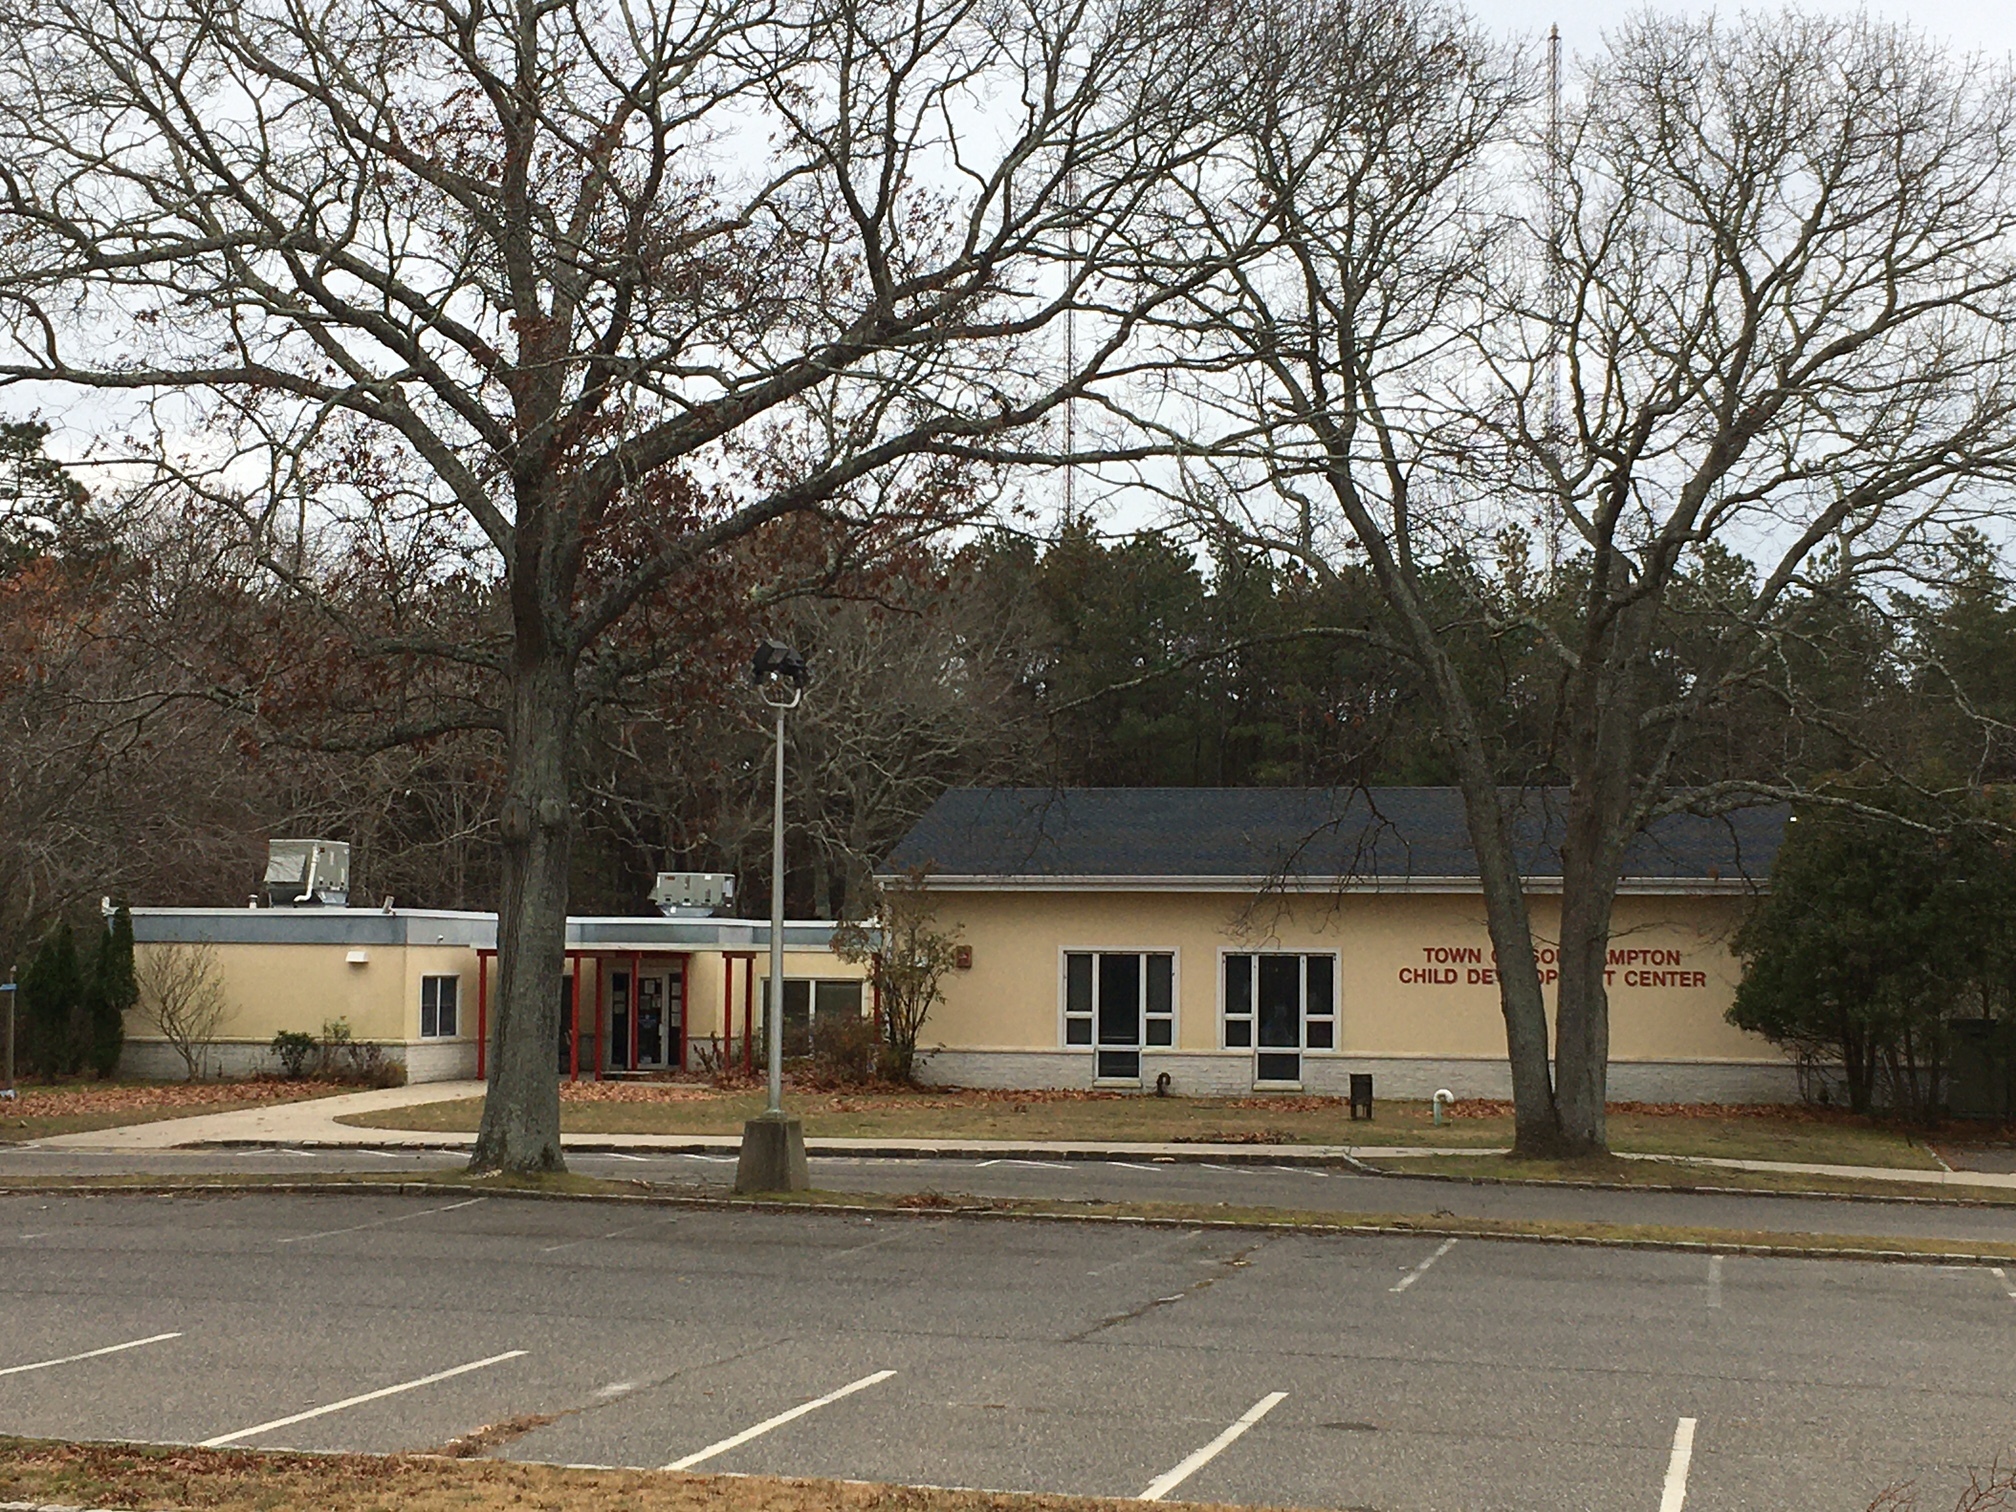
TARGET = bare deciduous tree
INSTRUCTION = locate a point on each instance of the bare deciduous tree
(1761, 304)
(589, 292)
(907, 954)
(182, 1000)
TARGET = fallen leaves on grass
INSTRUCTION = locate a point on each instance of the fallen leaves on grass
(67, 1099)
(638, 1092)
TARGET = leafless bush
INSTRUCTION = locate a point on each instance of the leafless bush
(182, 999)
(341, 1057)
(845, 1052)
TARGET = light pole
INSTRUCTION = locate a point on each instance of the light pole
(773, 1143)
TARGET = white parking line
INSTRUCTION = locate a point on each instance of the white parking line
(1164, 1484)
(380, 1222)
(1714, 1280)
(1153, 1249)
(1422, 1269)
(357, 1401)
(1674, 1496)
(739, 1439)
(89, 1354)
(635, 1228)
(2003, 1276)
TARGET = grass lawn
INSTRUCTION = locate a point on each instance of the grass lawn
(40, 1111)
(677, 1108)
(247, 1481)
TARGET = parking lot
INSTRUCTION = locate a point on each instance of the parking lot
(1115, 1360)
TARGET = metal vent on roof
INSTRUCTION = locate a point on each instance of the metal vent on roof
(307, 872)
(692, 895)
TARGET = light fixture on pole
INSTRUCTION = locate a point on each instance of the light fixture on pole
(773, 1143)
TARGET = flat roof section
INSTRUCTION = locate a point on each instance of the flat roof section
(478, 931)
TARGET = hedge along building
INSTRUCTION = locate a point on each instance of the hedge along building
(1255, 939)
(640, 995)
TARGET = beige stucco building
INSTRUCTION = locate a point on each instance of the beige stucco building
(417, 982)
(1242, 940)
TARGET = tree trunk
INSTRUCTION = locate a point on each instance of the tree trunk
(521, 1114)
(1535, 1117)
(1582, 1001)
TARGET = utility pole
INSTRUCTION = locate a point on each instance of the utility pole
(773, 1142)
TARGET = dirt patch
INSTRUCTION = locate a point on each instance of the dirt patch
(249, 1481)
(490, 1435)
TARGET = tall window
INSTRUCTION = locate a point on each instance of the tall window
(1119, 1002)
(815, 1012)
(438, 996)
(1279, 1005)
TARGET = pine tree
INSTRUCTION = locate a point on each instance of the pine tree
(49, 992)
(113, 990)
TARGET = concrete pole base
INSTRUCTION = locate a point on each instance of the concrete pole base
(773, 1155)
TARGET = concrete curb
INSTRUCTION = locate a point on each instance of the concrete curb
(1355, 1159)
(1434, 1230)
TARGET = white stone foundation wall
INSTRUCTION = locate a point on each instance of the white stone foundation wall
(438, 1060)
(1196, 1074)
(425, 1061)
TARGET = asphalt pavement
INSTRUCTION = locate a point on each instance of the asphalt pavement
(1190, 1363)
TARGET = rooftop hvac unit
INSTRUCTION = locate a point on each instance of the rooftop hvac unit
(692, 895)
(307, 872)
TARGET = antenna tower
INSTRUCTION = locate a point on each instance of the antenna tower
(1555, 440)
(1557, 280)
(1070, 347)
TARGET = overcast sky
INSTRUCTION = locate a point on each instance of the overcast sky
(1988, 25)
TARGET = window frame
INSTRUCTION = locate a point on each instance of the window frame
(1252, 1049)
(454, 1006)
(1142, 1046)
(812, 985)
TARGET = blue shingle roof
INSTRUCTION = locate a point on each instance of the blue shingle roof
(1392, 834)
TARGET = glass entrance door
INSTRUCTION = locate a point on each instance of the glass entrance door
(1119, 1018)
(650, 1020)
(1280, 1019)
(619, 1021)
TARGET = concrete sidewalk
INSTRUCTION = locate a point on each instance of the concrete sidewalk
(312, 1120)
(313, 1125)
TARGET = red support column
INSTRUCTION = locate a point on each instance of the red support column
(601, 1019)
(749, 1013)
(636, 969)
(727, 1010)
(685, 1007)
(482, 1014)
(574, 1017)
